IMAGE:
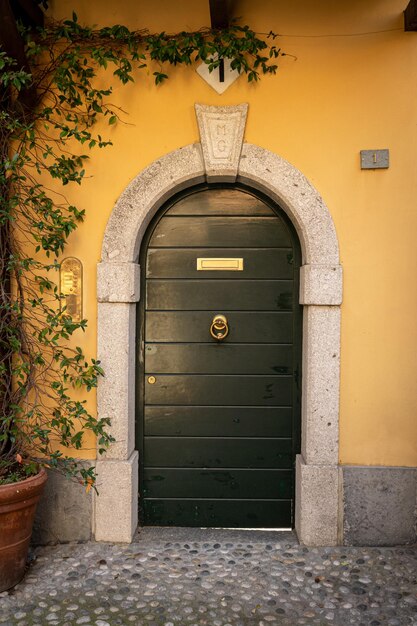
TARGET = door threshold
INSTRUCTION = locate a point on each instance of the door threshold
(269, 530)
(189, 534)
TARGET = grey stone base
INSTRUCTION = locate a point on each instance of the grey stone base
(316, 503)
(379, 505)
(63, 513)
(116, 505)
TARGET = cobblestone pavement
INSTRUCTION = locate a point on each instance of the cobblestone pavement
(176, 577)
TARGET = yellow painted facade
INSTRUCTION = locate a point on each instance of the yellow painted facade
(345, 92)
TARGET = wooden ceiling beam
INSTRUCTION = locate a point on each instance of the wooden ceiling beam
(410, 16)
(29, 11)
(10, 38)
(220, 13)
(12, 43)
(220, 17)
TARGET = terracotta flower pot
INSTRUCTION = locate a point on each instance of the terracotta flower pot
(17, 511)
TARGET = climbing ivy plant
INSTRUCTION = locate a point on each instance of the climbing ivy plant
(42, 415)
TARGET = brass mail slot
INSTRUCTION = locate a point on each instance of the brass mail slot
(230, 265)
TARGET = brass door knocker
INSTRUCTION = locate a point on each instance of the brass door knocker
(219, 328)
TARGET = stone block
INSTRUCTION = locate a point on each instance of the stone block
(321, 379)
(379, 505)
(118, 282)
(63, 513)
(321, 284)
(317, 504)
(116, 505)
(116, 390)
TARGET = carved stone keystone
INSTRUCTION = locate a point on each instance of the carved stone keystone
(221, 132)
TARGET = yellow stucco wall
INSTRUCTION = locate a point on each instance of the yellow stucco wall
(341, 95)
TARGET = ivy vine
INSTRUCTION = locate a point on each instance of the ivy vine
(41, 416)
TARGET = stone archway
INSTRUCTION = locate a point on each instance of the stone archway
(222, 156)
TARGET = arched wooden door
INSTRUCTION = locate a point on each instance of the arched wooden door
(219, 421)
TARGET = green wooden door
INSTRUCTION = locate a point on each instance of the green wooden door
(220, 421)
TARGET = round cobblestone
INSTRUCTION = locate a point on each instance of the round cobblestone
(197, 577)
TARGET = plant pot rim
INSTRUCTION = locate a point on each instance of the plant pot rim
(13, 492)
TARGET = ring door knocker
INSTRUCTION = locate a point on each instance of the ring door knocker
(219, 328)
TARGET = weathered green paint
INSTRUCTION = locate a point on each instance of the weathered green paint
(227, 231)
(221, 203)
(220, 389)
(233, 294)
(221, 358)
(217, 483)
(219, 421)
(259, 263)
(252, 452)
(191, 326)
(250, 513)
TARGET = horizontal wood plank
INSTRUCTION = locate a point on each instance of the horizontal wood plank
(218, 358)
(218, 421)
(215, 483)
(257, 263)
(220, 202)
(239, 295)
(220, 390)
(218, 513)
(218, 232)
(205, 452)
(193, 326)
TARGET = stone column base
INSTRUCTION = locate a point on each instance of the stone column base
(116, 506)
(317, 503)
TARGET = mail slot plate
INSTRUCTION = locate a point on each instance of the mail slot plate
(216, 264)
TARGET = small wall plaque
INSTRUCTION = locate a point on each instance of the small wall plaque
(219, 79)
(374, 159)
(71, 287)
(230, 265)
